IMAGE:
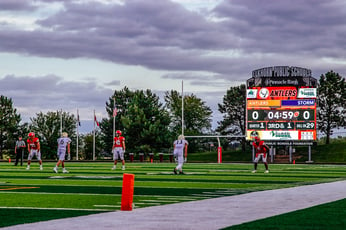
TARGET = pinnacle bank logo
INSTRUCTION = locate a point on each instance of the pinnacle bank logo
(251, 93)
(307, 93)
(281, 135)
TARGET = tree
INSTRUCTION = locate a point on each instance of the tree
(9, 124)
(233, 108)
(141, 118)
(121, 100)
(197, 115)
(47, 128)
(88, 140)
(146, 123)
(331, 103)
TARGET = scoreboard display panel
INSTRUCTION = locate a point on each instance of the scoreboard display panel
(285, 113)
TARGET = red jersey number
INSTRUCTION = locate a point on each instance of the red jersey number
(118, 141)
(260, 148)
(33, 143)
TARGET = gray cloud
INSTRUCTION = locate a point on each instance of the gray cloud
(51, 93)
(165, 36)
(16, 5)
(292, 27)
(115, 82)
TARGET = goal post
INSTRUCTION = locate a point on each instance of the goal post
(219, 148)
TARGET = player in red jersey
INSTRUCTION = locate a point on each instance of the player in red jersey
(34, 149)
(118, 149)
(261, 151)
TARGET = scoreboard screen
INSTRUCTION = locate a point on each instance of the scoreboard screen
(281, 113)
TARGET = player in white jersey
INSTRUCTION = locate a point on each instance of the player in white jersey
(63, 143)
(180, 149)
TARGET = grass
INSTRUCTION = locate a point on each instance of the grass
(322, 153)
(92, 187)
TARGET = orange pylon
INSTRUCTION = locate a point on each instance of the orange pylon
(127, 193)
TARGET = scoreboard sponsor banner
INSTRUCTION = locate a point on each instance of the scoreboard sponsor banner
(307, 93)
(281, 113)
(283, 135)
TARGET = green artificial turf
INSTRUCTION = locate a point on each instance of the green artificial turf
(92, 187)
(331, 216)
(24, 216)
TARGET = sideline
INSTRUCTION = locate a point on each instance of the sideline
(208, 214)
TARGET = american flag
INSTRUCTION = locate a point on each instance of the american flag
(97, 123)
(115, 111)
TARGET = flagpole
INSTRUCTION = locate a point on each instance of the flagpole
(77, 134)
(60, 122)
(94, 137)
(182, 107)
(113, 118)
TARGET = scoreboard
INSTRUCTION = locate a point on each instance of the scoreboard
(281, 113)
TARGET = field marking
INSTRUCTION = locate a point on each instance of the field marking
(64, 209)
(177, 198)
(158, 201)
(85, 177)
(16, 188)
(151, 204)
(172, 173)
(106, 205)
(205, 195)
(72, 194)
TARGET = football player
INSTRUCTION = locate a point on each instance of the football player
(261, 151)
(63, 143)
(33, 149)
(118, 149)
(180, 149)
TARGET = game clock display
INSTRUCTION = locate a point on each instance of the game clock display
(274, 115)
(281, 113)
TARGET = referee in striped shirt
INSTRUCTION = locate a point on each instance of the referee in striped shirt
(19, 151)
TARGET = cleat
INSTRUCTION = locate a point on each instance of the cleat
(41, 168)
(65, 171)
(181, 172)
(253, 171)
(55, 170)
(28, 168)
(123, 167)
(267, 171)
(114, 167)
(175, 171)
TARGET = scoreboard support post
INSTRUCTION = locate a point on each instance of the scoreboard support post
(290, 153)
(309, 161)
(271, 154)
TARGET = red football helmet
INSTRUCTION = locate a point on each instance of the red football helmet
(31, 134)
(118, 132)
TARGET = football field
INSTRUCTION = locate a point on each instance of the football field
(92, 187)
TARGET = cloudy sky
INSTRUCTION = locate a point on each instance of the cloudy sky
(69, 54)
